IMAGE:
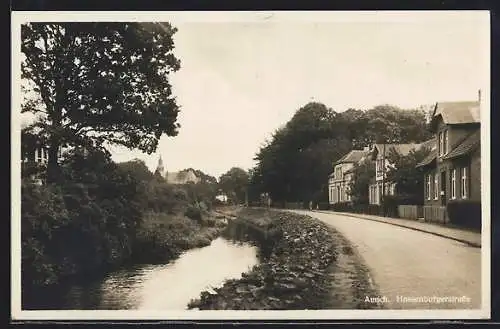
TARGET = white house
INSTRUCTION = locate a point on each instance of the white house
(342, 176)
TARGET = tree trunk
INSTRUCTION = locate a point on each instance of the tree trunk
(53, 174)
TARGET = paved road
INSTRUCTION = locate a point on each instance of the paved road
(409, 263)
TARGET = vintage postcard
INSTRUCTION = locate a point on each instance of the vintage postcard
(250, 165)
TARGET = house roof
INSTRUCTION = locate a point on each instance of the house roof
(431, 144)
(181, 177)
(427, 160)
(402, 149)
(469, 144)
(354, 156)
(458, 112)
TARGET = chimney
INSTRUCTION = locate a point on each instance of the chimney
(479, 95)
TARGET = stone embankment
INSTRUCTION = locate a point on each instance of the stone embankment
(310, 266)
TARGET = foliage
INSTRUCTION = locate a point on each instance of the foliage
(99, 82)
(201, 193)
(102, 214)
(193, 213)
(360, 208)
(163, 197)
(403, 171)
(295, 163)
(342, 206)
(465, 213)
(363, 174)
(234, 184)
(163, 236)
(86, 223)
(137, 169)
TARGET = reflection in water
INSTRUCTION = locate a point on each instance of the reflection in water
(167, 286)
(241, 233)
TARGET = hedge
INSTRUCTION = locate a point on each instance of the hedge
(360, 208)
(465, 213)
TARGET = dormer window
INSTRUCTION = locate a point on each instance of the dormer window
(338, 172)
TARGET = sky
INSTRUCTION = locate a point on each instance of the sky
(240, 80)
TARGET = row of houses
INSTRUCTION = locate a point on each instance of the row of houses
(452, 170)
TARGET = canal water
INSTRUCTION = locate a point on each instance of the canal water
(169, 286)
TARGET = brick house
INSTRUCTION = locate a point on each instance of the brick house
(342, 176)
(379, 154)
(453, 170)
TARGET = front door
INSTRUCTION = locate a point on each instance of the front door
(443, 193)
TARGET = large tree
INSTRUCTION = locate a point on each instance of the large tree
(99, 82)
(234, 184)
(294, 165)
(363, 173)
(137, 169)
(408, 178)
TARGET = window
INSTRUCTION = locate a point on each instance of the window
(440, 143)
(338, 172)
(453, 184)
(445, 142)
(436, 187)
(45, 155)
(380, 165)
(428, 187)
(463, 184)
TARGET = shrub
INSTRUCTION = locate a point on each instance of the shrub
(193, 213)
(465, 213)
(342, 207)
(374, 209)
(210, 222)
(369, 209)
(390, 205)
(324, 205)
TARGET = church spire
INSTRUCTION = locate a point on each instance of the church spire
(160, 169)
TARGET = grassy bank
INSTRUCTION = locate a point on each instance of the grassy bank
(163, 236)
(302, 272)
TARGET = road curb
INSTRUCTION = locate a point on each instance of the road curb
(469, 243)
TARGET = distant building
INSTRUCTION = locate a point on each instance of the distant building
(34, 153)
(221, 197)
(453, 170)
(340, 179)
(179, 177)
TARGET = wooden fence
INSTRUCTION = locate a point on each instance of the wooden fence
(436, 214)
(410, 211)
